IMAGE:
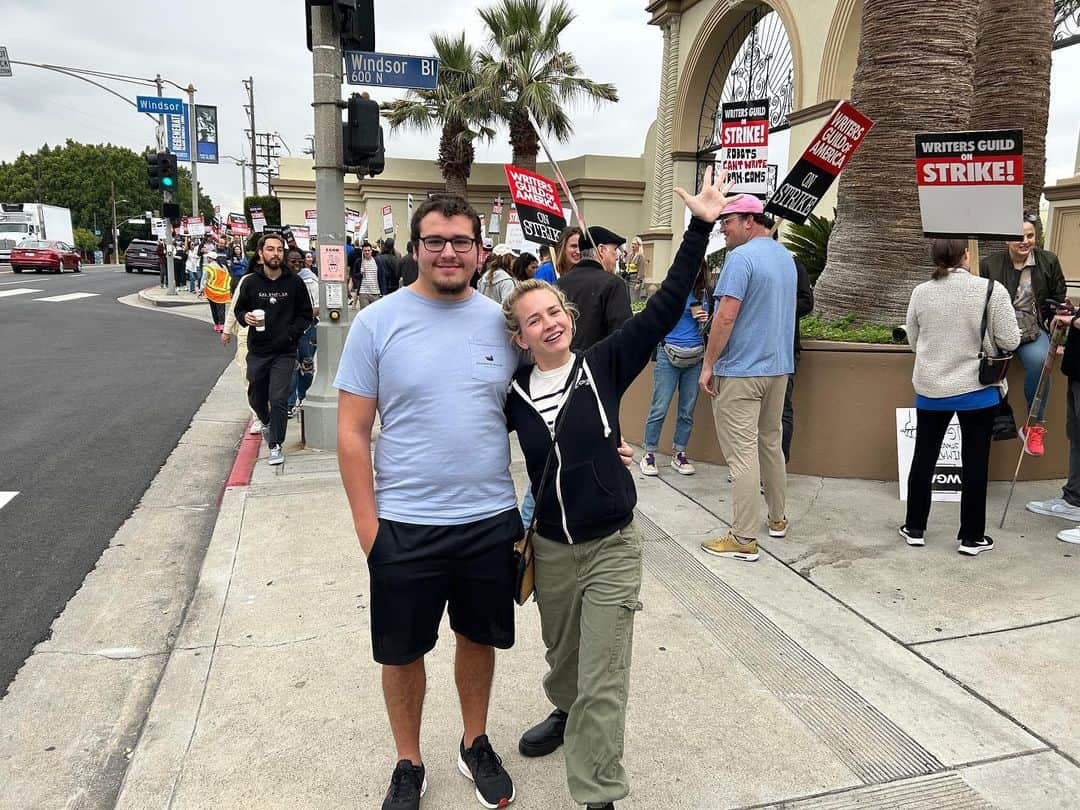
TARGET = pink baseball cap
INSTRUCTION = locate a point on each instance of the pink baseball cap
(744, 204)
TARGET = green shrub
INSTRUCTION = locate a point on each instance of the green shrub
(845, 331)
(810, 243)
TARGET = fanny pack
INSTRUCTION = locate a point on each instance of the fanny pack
(682, 357)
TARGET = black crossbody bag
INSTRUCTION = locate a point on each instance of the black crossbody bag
(525, 579)
(992, 369)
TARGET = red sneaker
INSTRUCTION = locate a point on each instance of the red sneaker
(1033, 445)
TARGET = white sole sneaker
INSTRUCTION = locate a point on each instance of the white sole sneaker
(461, 766)
(683, 469)
(1060, 509)
(972, 551)
(256, 428)
(911, 541)
(1070, 536)
(650, 471)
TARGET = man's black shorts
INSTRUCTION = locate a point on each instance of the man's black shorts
(417, 570)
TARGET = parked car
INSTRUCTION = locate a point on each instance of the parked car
(144, 254)
(45, 254)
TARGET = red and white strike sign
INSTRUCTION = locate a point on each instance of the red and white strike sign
(971, 184)
(538, 205)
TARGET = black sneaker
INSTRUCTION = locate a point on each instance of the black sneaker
(608, 806)
(407, 785)
(973, 547)
(480, 763)
(913, 536)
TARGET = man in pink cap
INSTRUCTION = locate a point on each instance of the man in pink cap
(748, 358)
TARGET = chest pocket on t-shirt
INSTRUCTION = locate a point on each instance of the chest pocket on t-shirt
(488, 361)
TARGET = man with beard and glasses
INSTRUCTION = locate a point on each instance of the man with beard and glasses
(284, 310)
(434, 361)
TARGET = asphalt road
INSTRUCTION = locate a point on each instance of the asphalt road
(95, 396)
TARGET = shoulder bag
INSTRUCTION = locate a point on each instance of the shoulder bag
(525, 578)
(992, 369)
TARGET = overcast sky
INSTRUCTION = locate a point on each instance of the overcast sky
(215, 45)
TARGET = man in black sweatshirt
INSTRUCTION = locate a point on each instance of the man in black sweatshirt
(285, 305)
(601, 297)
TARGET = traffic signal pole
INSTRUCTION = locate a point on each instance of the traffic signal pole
(170, 279)
(320, 406)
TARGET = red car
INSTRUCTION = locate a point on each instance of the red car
(40, 254)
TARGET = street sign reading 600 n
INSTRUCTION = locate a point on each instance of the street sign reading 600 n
(391, 70)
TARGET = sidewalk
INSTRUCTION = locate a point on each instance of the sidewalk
(159, 297)
(842, 670)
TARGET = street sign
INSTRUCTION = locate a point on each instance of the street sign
(5, 63)
(391, 70)
(159, 106)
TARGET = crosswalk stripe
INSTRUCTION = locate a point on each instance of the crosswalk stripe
(8, 293)
(68, 297)
(6, 498)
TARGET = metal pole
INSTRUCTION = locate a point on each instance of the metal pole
(115, 230)
(193, 152)
(320, 407)
(170, 282)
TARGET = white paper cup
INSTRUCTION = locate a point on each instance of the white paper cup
(260, 319)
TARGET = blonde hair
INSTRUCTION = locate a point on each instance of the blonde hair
(513, 325)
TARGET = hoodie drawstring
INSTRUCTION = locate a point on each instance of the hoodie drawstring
(599, 404)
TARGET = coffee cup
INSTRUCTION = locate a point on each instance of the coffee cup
(260, 319)
(695, 310)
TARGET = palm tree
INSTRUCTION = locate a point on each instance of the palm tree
(454, 105)
(915, 72)
(527, 71)
(1012, 81)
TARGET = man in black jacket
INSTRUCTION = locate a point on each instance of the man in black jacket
(1032, 276)
(601, 297)
(387, 261)
(285, 306)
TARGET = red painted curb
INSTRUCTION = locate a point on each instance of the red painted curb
(246, 456)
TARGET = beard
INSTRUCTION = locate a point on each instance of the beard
(273, 262)
(451, 287)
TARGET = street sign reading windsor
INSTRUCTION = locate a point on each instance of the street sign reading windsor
(155, 105)
(391, 70)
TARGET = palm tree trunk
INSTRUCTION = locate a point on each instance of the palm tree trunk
(915, 73)
(523, 141)
(456, 155)
(1012, 83)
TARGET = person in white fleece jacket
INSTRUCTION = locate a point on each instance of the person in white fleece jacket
(944, 321)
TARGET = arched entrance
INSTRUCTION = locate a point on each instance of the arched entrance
(754, 62)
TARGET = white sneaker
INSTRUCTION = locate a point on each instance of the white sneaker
(256, 427)
(648, 464)
(1070, 536)
(681, 464)
(1055, 507)
(277, 455)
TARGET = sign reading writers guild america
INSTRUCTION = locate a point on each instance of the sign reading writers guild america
(538, 205)
(820, 165)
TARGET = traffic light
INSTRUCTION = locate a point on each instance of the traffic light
(161, 172)
(153, 171)
(170, 180)
(362, 134)
(357, 25)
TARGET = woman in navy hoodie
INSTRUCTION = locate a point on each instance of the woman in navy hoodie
(587, 548)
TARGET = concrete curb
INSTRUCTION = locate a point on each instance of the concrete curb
(149, 297)
(246, 456)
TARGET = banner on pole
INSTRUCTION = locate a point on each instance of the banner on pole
(538, 205)
(945, 483)
(820, 165)
(744, 136)
(179, 136)
(971, 184)
(206, 134)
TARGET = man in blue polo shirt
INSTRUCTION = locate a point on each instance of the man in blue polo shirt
(748, 358)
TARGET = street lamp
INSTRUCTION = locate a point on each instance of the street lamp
(115, 229)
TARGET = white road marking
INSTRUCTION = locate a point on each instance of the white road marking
(9, 293)
(6, 498)
(68, 297)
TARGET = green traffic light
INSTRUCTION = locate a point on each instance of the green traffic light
(167, 182)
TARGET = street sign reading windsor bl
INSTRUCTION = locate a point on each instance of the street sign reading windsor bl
(391, 70)
(155, 105)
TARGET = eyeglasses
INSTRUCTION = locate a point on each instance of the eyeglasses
(436, 244)
(729, 218)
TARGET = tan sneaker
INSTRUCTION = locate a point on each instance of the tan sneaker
(729, 546)
(778, 528)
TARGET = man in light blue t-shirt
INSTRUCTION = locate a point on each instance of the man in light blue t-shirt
(437, 515)
(748, 358)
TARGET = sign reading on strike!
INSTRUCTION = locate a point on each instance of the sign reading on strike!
(820, 164)
(971, 184)
(538, 205)
(744, 138)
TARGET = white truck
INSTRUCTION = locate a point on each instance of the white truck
(19, 221)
